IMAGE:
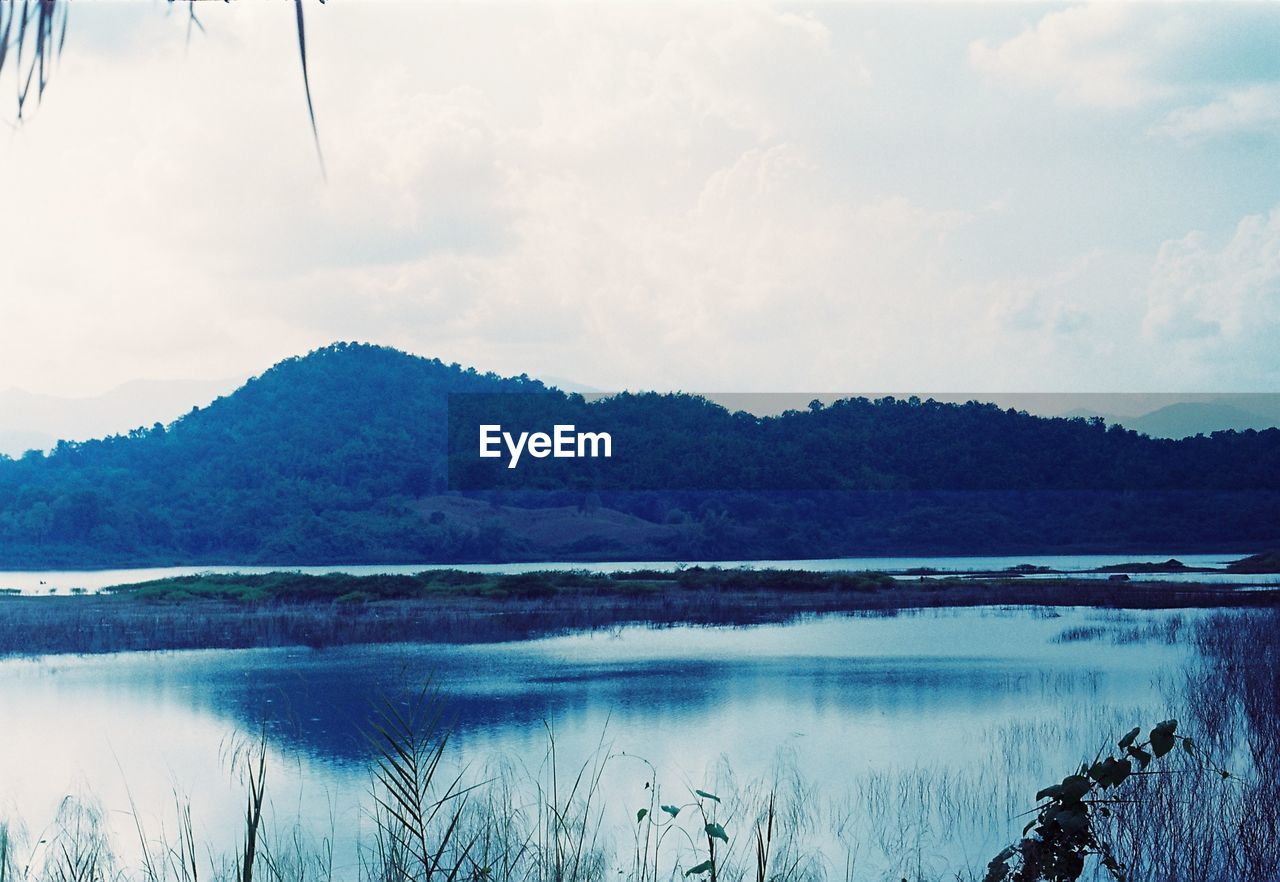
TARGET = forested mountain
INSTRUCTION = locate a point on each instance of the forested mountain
(318, 455)
(340, 456)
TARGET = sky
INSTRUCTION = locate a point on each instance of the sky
(723, 196)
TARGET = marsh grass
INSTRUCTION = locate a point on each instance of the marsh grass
(1122, 627)
(443, 606)
(1188, 824)
(418, 807)
(8, 848)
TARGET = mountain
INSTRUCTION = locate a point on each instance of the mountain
(1184, 419)
(344, 456)
(1196, 418)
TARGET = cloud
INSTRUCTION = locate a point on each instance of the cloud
(700, 195)
(1051, 305)
(494, 185)
(1095, 55)
(1251, 110)
(1216, 66)
(1220, 304)
(764, 257)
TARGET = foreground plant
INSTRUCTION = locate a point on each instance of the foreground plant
(1064, 834)
(419, 810)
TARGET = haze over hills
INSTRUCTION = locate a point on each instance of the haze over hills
(1184, 419)
(341, 456)
(30, 420)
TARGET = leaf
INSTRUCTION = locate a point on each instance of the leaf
(1189, 746)
(640, 815)
(300, 20)
(1162, 740)
(1074, 787)
(1111, 772)
(998, 869)
(1074, 820)
(715, 831)
(700, 868)
(671, 810)
(705, 795)
(1129, 737)
(1053, 791)
(1143, 758)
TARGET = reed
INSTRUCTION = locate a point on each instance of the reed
(288, 609)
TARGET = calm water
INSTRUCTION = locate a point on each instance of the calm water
(63, 581)
(881, 714)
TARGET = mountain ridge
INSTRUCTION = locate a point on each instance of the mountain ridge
(340, 456)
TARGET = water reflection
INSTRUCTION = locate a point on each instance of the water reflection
(847, 698)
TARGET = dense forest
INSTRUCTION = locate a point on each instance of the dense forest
(358, 453)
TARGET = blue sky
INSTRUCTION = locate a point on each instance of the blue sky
(727, 196)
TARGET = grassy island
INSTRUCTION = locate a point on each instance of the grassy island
(453, 606)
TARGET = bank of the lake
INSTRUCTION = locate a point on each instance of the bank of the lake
(1153, 564)
(235, 611)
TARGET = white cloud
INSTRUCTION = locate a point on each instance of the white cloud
(764, 257)
(1053, 305)
(466, 212)
(1094, 54)
(1213, 70)
(1220, 304)
(1251, 110)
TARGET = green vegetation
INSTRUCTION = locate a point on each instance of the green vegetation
(341, 456)
(296, 588)
(1172, 565)
(1266, 562)
(1057, 845)
(292, 609)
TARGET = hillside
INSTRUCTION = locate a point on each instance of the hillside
(28, 420)
(340, 456)
(318, 455)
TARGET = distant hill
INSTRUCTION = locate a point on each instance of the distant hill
(1187, 418)
(1193, 418)
(340, 456)
(32, 421)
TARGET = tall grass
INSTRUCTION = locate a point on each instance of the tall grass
(418, 808)
(1190, 825)
(8, 871)
(284, 609)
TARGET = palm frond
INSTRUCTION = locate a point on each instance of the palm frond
(33, 33)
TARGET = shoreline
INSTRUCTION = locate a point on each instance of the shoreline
(281, 609)
(1138, 565)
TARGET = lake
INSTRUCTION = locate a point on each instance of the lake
(911, 740)
(64, 581)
